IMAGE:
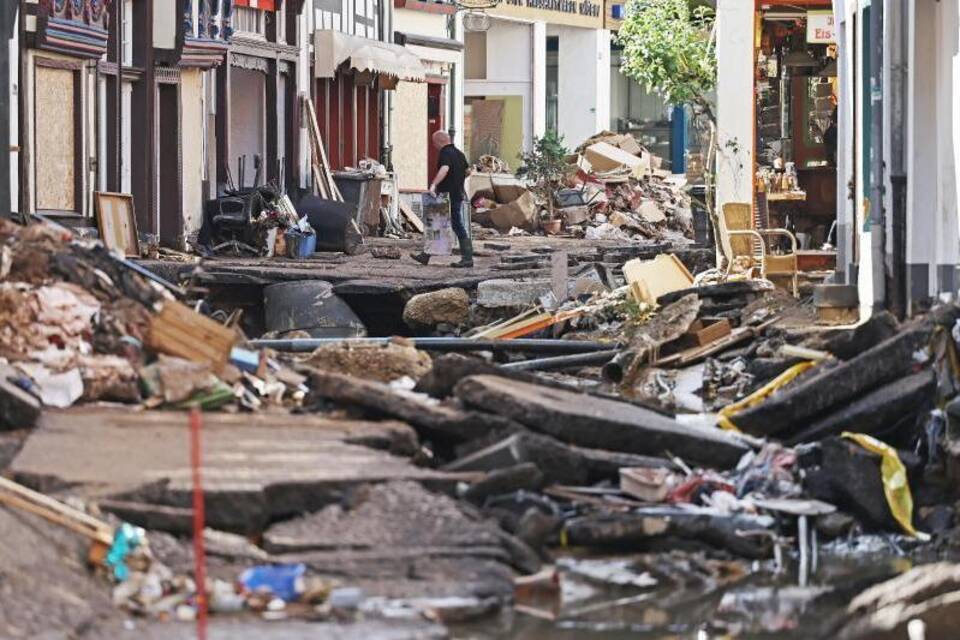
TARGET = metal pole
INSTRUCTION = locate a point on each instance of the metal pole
(562, 362)
(7, 21)
(117, 27)
(303, 345)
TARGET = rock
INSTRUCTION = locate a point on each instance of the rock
(448, 423)
(848, 344)
(599, 423)
(502, 292)
(522, 476)
(383, 363)
(451, 306)
(560, 463)
(929, 594)
(849, 477)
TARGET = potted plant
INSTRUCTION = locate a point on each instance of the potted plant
(545, 166)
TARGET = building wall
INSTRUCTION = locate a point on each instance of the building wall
(735, 20)
(584, 82)
(410, 135)
(192, 156)
(510, 68)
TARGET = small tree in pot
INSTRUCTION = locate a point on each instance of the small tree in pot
(545, 166)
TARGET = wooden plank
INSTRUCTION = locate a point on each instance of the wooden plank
(321, 154)
(180, 331)
(703, 335)
(20, 497)
(410, 216)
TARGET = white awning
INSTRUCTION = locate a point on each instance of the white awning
(332, 48)
(435, 54)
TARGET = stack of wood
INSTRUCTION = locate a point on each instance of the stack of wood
(322, 176)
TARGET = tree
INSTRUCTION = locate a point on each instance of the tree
(668, 46)
(545, 166)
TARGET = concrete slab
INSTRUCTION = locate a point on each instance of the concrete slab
(257, 467)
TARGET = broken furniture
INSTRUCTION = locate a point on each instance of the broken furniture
(735, 239)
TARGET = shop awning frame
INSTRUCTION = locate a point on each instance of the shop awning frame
(333, 48)
(443, 50)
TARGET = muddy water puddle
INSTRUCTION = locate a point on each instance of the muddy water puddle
(680, 595)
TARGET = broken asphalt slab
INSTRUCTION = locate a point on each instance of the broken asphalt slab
(256, 468)
(827, 387)
(599, 423)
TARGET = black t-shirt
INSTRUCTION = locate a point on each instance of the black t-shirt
(452, 157)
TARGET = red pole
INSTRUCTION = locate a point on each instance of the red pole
(199, 552)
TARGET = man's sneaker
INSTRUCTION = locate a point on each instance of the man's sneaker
(421, 257)
(463, 264)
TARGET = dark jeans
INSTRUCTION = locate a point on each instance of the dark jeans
(463, 234)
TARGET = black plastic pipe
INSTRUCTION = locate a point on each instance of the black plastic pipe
(303, 345)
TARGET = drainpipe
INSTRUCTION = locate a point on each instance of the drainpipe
(877, 224)
(898, 164)
(386, 97)
(7, 20)
(452, 98)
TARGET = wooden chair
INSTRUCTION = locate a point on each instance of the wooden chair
(737, 237)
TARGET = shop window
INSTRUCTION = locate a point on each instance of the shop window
(475, 55)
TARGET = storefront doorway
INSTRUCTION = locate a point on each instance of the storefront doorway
(796, 118)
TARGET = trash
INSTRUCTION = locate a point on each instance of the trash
(651, 279)
(283, 581)
(648, 485)
(895, 484)
(179, 331)
(126, 538)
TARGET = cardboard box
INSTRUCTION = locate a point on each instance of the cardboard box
(650, 279)
(603, 156)
(506, 189)
(521, 213)
(479, 183)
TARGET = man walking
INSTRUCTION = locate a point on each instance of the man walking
(452, 170)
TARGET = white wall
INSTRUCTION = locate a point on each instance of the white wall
(734, 101)
(922, 150)
(192, 130)
(420, 22)
(14, 88)
(946, 223)
(514, 70)
(583, 96)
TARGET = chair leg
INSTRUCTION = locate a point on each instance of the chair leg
(796, 285)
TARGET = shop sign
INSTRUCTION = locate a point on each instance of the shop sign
(821, 27)
(580, 13)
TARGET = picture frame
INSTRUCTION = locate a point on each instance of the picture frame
(117, 222)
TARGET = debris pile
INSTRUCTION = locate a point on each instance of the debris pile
(79, 324)
(614, 189)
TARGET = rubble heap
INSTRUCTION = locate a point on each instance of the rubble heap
(614, 190)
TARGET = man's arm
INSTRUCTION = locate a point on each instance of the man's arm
(441, 174)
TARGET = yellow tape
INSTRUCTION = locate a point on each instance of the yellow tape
(894, 475)
(758, 396)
